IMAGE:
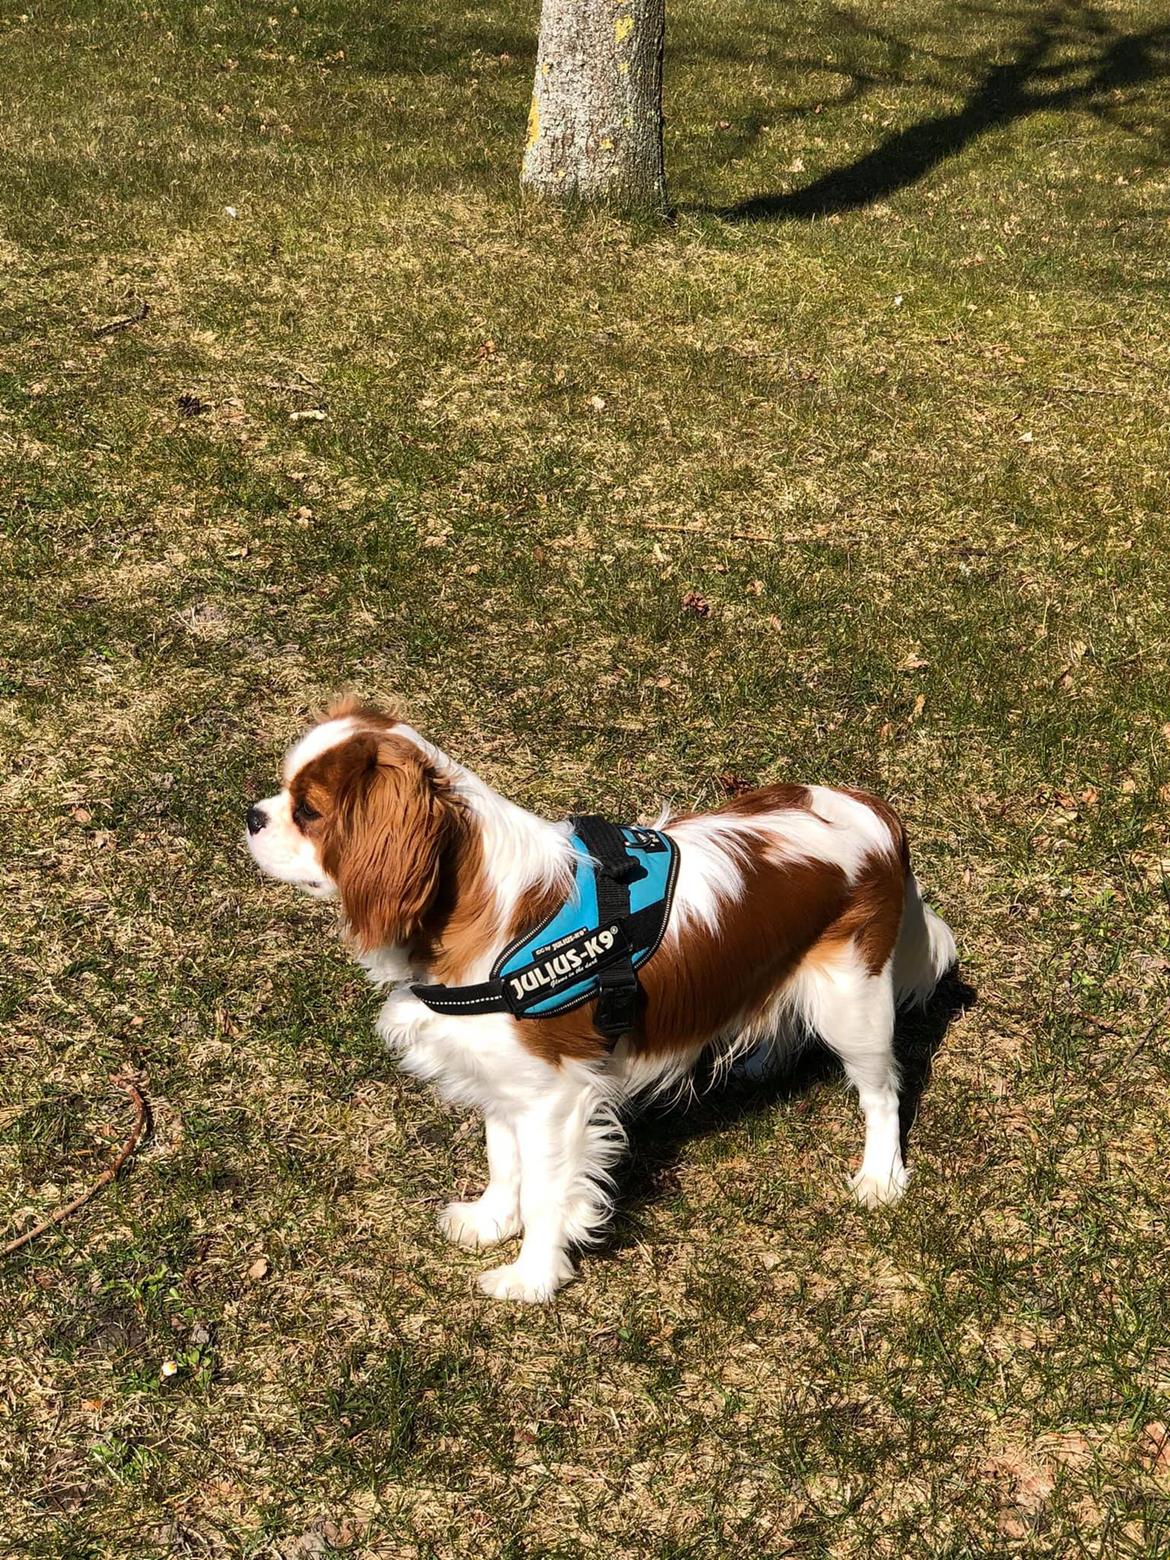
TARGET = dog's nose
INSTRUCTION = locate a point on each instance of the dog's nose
(257, 818)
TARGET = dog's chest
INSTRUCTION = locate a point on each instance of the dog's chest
(477, 1060)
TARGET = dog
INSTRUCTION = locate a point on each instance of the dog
(790, 910)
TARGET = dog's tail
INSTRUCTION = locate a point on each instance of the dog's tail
(925, 948)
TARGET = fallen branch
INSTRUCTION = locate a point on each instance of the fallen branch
(123, 324)
(104, 1179)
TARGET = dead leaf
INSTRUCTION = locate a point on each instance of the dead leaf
(1024, 1488)
(305, 1546)
(1154, 1447)
(732, 784)
(695, 604)
(1069, 1448)
(258, 1270)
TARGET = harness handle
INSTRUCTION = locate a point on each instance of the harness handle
(617, 985)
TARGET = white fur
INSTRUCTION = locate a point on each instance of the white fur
(925, 951)
(281, 850)
(317, 741)
(554, 1132)
(713, 849)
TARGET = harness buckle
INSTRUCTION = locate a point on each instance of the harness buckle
(617, 1001)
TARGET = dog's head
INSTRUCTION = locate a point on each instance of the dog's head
(363, 815)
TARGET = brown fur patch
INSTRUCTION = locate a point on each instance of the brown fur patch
(889, 817)
(406, 855)
(707, 983)
(387, 822)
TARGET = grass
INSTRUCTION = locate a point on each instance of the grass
(893, 395)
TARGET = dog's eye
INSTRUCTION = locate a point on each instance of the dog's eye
(303, 814)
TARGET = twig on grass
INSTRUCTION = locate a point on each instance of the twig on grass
(125, 323)
(1135, 1051)
(104, 1179)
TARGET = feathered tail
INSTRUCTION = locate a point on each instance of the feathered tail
(925, 949)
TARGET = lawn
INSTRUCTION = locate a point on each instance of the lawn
(298, 394)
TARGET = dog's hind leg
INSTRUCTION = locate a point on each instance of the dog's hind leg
(853, 1012)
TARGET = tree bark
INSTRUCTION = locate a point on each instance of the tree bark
(595, 126)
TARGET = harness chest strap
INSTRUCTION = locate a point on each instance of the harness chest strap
(595, 962)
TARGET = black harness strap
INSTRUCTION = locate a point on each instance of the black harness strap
(486, 997)
(604, 954)
(617, 984)
(491, 996)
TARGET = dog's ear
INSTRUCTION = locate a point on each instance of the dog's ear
(393, 821)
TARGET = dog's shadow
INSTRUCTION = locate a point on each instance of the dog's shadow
(658, 1135)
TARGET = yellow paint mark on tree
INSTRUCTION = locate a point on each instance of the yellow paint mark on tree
(533, 122)
(622, 29)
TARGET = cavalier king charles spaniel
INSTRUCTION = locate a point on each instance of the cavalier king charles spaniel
(794, 912)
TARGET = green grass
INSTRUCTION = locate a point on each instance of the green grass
(893, 394)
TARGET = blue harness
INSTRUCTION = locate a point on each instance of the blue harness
(592, 946)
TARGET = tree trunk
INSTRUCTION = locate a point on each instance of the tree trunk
(595, 126)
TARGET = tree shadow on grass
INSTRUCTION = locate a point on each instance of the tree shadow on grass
(1097, 65)
(659, 1136)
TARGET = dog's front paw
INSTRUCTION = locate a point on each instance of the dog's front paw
(873, 1190)
(525, 1281)
(480, 1223)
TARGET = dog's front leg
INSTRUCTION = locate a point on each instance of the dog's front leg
(552, 1138)
(494, 1216)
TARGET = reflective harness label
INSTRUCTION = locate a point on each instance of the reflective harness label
(570, 959)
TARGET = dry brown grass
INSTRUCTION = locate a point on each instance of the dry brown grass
(946, 409)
